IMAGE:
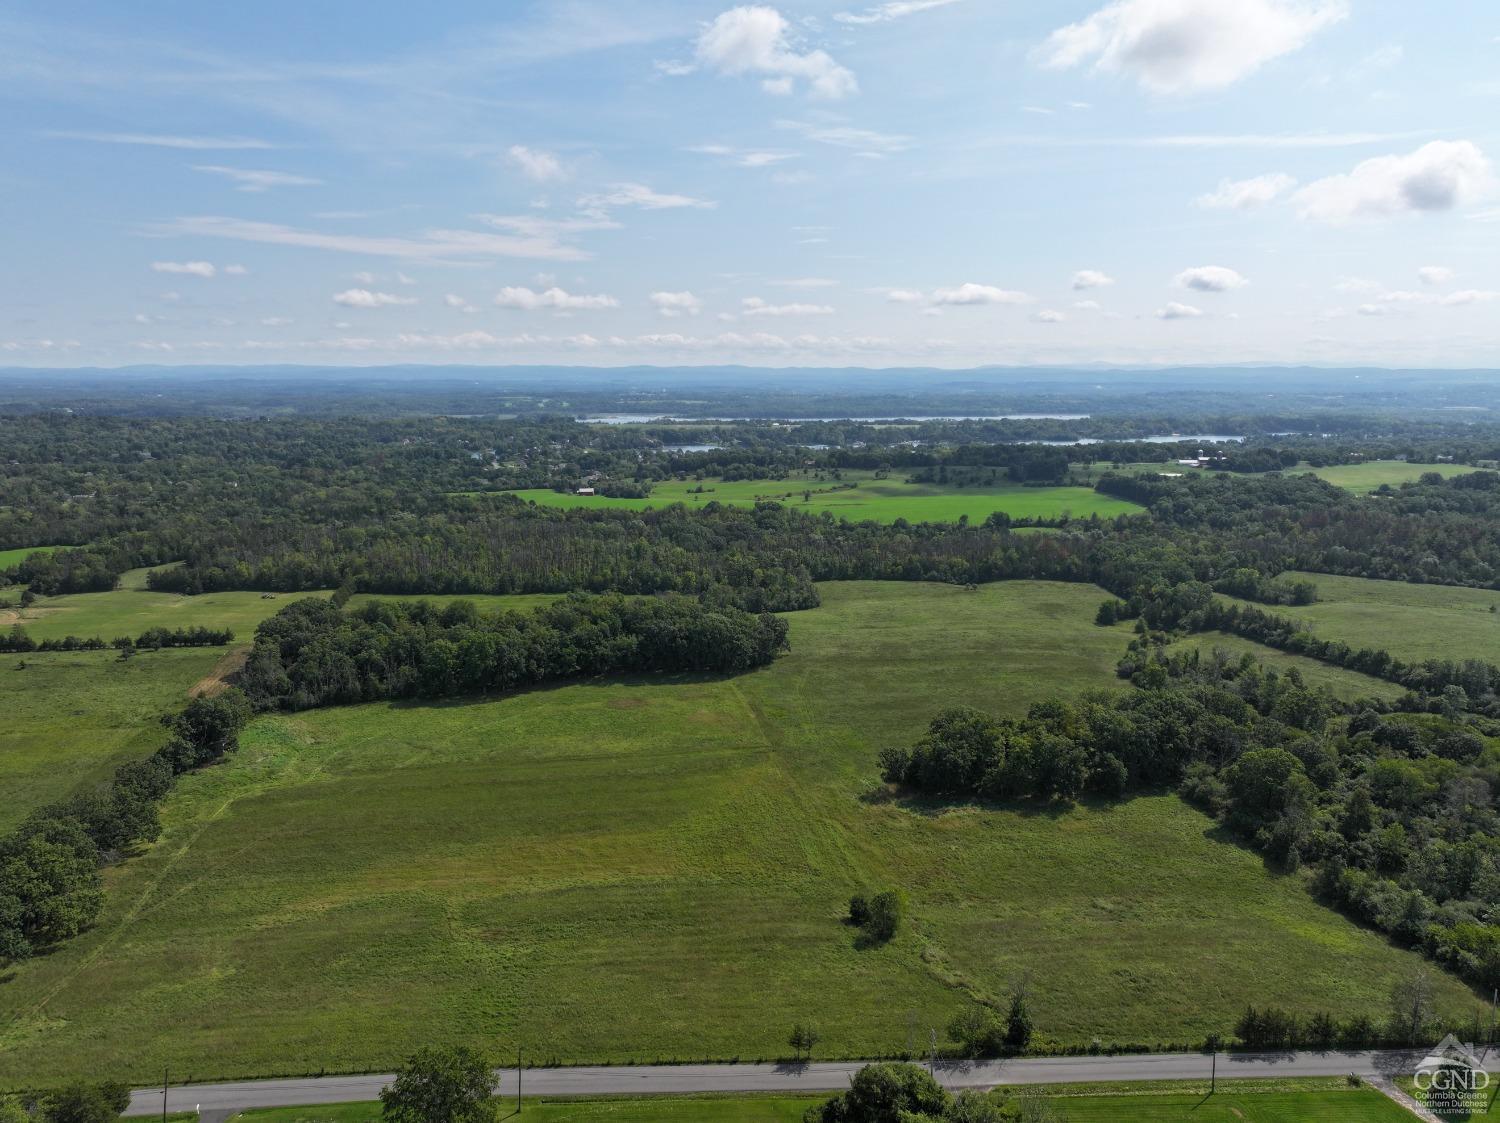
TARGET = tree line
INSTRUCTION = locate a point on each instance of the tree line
(152, 639)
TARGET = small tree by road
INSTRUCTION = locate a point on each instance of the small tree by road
(441, 1085)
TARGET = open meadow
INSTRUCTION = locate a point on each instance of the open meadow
(1412, 622)
(10, 558)
(1366, 477)
(658, 868)
(881, 500)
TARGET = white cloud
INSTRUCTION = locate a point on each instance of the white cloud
(159, 140)
(1435, 274)
(1048, 316)
(1091, 279)
(755, 306)
(275, 321)
(1176, 311)
(1210, 278)
(556, 299)
(543, 167)
(1436, 177)
(891, 10)
(744, 159)
(806, 283)
(639, 195)
(235, 271)
(253, 181)
(188, 268)
(752, 39)
(866, 142)
(1247, 194)
(453, 300)
(1087, 305)
(433, 245)
(1469, 296)
(1180, 46)
(971, 294)
(674, 304)
(364, 298)
(904, 296)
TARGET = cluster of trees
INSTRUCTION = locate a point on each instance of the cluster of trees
(1397, 810)
(1252, 584)
(79, 1102)
(1467, 684)
(880, 916)
(982, 1031)
(50, 888)
(152, 639)
(312, 653)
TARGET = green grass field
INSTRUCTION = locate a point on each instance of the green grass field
(1411, 621)
(648, 870)
(72, 717)
(1348, 685)
(1363, 478)
(1252, 1101)
(688, 1109)
(132, 608)
(9, 558)
(881, 500)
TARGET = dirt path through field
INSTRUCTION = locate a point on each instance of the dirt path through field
(217, 680)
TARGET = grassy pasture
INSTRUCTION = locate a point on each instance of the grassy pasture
(132, 608)
(10, 558)
(1410, 621)
(656, 869)
(1363, 478)
(1351, 1105)
(881, 500)
(1348, 685)
(72, 717)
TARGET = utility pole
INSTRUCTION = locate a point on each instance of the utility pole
(1213, 1074)
(932, 1055)
(163, 1096)
(518, 1080)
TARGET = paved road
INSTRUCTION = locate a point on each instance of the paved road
(819, 1077)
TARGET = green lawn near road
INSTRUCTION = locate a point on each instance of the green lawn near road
(688, 1109)
(1353, 1105)
(1412, 622)
(70, 717)
(657, 869)
(1362, 478)
(881, 500)
(1350, 686)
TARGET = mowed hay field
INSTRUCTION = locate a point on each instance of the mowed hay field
(12, 558)
(1412, 622)
(655, 869)
(881, 500)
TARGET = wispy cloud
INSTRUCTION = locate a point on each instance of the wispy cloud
(247, 179)
(892, 10)
(432, 245)
(639, 195)
(162, 140)
(863, 141)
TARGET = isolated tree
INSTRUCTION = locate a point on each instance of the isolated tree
(803, 1039)
(1411, 1004)
(886, 913)
(1018, 1026)
(884, 1093)
(82, 1102)
(454, 1084)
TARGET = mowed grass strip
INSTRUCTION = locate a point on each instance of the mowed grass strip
(1412, 622)
(657, 870)
(1351, 686)
(1356, 1105)
(879, 500)
(689, 1109)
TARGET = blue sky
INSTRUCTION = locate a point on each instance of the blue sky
(934, 182)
